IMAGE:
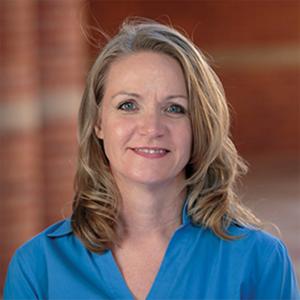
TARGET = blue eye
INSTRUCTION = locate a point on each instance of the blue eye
(175, 109)
(127, 106)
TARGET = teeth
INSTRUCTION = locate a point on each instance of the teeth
(151, 151)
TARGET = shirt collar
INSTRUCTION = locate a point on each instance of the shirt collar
(60, 229)
(185, 217)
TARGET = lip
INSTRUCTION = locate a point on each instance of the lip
(150, 152)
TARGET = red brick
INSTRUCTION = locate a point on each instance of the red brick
(212, 23)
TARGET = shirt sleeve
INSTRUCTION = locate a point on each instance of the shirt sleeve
(19, 283)
(277, 279)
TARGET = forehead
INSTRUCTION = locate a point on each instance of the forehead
(146, 71)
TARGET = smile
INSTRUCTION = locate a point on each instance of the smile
(151, 152)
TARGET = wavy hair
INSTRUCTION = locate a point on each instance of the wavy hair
(214, 165)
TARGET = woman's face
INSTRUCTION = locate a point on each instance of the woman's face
(144, 122)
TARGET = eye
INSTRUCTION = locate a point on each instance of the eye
(176, 109)
(127, 106)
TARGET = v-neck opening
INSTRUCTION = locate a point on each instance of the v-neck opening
(118, 277)
(117, 281)
(162, 267)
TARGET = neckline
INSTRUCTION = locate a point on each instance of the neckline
(116, 279)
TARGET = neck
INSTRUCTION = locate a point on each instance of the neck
(150, 211)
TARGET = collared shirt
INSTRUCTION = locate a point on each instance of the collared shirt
(197, 265)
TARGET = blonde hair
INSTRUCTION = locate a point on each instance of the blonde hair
(214, 165)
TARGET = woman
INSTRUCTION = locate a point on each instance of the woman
(155, 215)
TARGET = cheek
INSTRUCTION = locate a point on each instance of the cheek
(116, 134)
(185, 139)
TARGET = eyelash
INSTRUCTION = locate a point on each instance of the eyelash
(179, 109)
(121, 106)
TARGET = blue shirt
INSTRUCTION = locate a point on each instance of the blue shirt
(197, 265)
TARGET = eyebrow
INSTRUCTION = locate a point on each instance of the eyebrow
(123, 93)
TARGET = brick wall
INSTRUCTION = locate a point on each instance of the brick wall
(254, 47)
(42, 72)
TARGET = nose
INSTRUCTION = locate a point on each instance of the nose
(152, 124)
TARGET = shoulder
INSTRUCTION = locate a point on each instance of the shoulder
(34, 248)
(263, 251)
(256, 236)
(252, 233)
(249, 246)
(269, 264)
(242, 236)
(59, 229)
(27, 272)
(257, 240)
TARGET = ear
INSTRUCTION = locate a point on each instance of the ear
(98, 131)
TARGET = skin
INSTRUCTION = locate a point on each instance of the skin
(145, 126)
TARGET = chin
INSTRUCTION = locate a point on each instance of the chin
(154, 178)
(145, 180)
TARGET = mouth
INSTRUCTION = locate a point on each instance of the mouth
(151, 152)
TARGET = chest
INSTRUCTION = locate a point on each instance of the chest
(139, 269)
(173, 278)
(187, 269)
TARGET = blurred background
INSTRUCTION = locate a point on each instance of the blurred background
(46, 49)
